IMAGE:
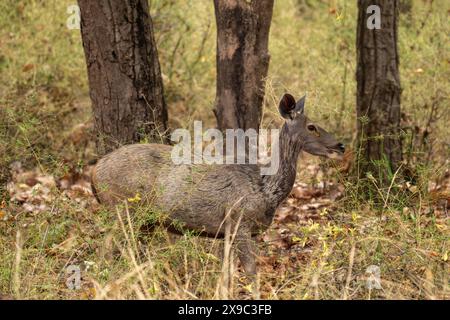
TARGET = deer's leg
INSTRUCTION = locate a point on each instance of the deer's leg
(247, 251)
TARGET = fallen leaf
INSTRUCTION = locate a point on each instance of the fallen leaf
(27, 67)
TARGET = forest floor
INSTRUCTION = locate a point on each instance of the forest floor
(316, 248)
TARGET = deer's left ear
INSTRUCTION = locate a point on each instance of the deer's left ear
(287, 106)
(300, 105)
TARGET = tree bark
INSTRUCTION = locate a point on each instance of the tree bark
(124, 74)
(242, 61)
(378, 90)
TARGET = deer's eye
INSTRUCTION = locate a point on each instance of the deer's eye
(313, 129)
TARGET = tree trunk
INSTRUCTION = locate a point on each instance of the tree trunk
(378, 90)
(242, 61)
(124, 74)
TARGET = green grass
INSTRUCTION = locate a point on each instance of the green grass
(44, 95)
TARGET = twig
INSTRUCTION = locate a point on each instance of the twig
(390, 186)
(16, 275)
(351, 260)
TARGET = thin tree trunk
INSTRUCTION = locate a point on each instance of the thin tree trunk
(378, 89)
(124, 73)
(242, 61)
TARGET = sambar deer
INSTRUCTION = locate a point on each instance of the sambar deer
(202, 196)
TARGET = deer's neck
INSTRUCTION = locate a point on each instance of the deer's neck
(278, 186)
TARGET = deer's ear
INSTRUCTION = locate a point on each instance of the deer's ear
(300, 105)
(286, 106)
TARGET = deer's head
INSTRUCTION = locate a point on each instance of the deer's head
(313, 139)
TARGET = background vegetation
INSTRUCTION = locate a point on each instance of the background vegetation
(319, 251)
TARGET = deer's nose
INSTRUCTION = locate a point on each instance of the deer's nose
(341, 147)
